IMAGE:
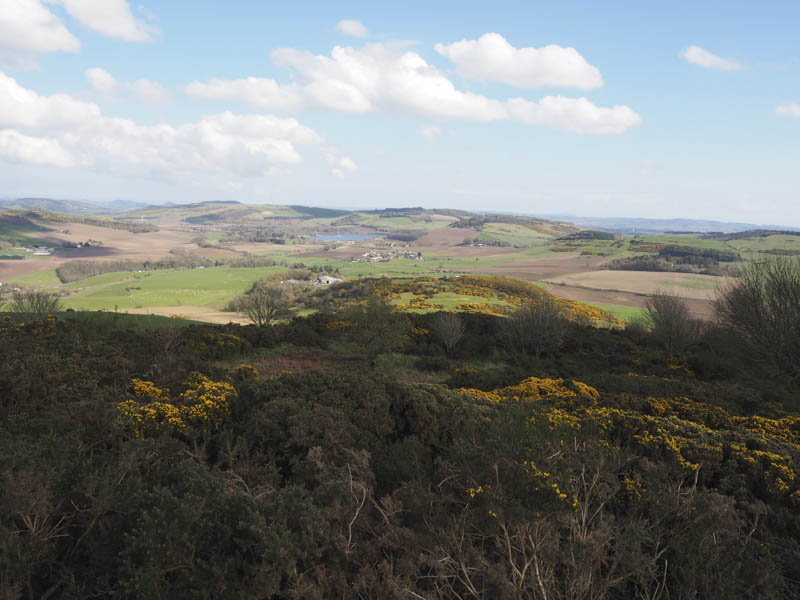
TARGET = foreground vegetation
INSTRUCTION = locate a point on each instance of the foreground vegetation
(364, 452)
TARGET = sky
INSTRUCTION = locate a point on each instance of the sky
(612, 109)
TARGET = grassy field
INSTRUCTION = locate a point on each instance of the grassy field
(626, 313)
(512, 234)
(191, 287)
(42, 279)
(449, 301)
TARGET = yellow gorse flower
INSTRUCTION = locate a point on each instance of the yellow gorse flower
(203, 405)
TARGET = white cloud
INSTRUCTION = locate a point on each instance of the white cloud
(151, 92)
(430, 132)
(63, 131)
(231, 186)
(379, 78)
(143, 90)
(111, 18)
(577, 115)
(254, 91)
(790, 109)
(340, 165)
(703, 58)
(28, 29)
(492, 58)
(18, 148)
(101, 80)
(352, 27)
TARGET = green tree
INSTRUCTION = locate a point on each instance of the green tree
(536, 328)
(265, 302)
(672, 323)
(379, 328)
(762, 308)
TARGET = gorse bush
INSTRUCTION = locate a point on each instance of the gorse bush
(273, 462)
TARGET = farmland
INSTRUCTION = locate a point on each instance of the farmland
(205, 241)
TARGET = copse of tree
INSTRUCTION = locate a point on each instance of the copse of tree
(699, 253)
(75, 270)
(669, 318)
(589, 234)
(762, 307)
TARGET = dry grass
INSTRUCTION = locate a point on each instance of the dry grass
(685, 285)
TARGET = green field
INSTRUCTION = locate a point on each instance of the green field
(449, 301)
(513, 235)
(191, 287)
(626, 313)
(42, 279)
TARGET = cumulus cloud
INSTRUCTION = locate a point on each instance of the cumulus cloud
(142, 90)
(380, 78)
(492, 58)
(703, 58)
(111, 18)
(254, 91)
(101, 80)
(151, 92)
(340, 165)
(352, 27)
(577, 115)
(790, 109)
(16, 147)
(28, 29)
(430, 132)
(60, 130)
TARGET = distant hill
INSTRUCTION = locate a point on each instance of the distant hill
(73, 207)
(631, 225)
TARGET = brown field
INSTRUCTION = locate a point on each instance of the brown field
(700, 309)
(120, 242)
(195, 313)
(117, 244)
(256, 247)
(447, 236)
(565, 263)
(685, 285)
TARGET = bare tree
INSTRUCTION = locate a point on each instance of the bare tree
(35, 302)
(762, 307)
(265, 302)
(536, 328)
(669, 317)
(448, 328)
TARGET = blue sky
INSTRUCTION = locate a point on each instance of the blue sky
(682, 109)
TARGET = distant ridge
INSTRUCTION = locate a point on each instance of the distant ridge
(636, 225)
(73, 207)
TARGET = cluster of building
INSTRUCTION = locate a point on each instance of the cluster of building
(386, 256)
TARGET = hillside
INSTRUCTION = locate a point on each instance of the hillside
(357, 453)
